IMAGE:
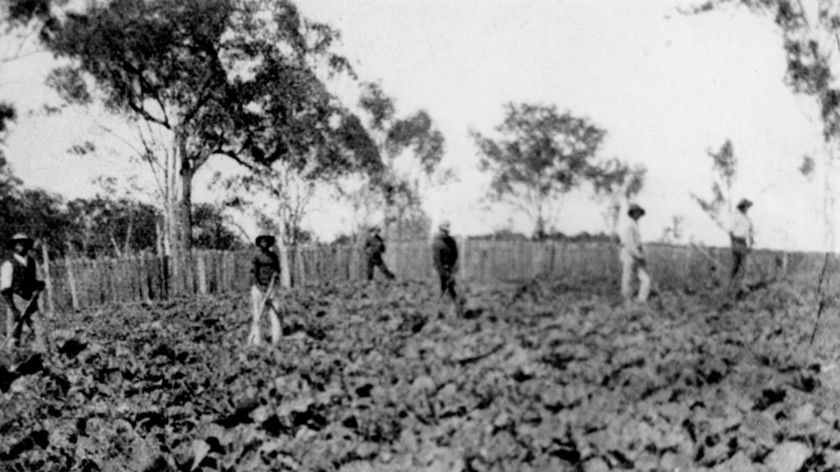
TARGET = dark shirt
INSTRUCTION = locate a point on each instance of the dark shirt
(444, 252)
(24, 278)
(265, 265)
(374, 246)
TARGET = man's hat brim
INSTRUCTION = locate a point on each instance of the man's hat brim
(637, 210)
(269, 239)
(28, 243)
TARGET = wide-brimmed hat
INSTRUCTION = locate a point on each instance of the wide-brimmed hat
(744, 203)
(634, 208)
(444, 225)
(21, 238)
(267, 238)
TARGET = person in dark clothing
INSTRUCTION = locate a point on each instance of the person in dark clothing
(374, 248)
(265, 272)
(445, 261)
(20, 288)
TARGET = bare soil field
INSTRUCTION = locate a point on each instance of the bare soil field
(535, 377)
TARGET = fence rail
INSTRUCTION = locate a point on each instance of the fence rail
(82, 283)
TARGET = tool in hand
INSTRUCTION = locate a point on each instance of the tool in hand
(26, 316)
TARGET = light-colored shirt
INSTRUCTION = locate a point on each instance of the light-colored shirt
(741, 227)
(6, 271)
(631, 238)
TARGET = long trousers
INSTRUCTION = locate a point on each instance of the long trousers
(632, 268)
(740, 250)
(262, 303)
(447, 284)
(374, 262)
(14, 331)
(447, 290)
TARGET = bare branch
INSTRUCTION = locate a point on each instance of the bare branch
(119, 137)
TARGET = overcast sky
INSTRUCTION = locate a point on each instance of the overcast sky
(665, 86)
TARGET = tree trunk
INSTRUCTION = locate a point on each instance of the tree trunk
(178, 222)
(128, 234)
(117, 253)
(159, 234)
(539, 231)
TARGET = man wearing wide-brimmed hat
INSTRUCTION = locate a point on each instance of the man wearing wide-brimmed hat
(374, 248)
(633, 261)
(741, 238)
(265, 297)
(445, 261)
(20, 288)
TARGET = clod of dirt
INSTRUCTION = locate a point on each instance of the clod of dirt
(316, 332)
(804, 414)
(31, 365)
(737, 463)
(364, 390)
(39, 438)
(6, 378)
(273, 426)
(72, 347)
(831, 458)
(806, 383)
(311, 418)
(242, 415)
(596, 465)
(769, 396)
(473, 313)
(423, 384)
(199, 452)
(163, 350)
(788, 457)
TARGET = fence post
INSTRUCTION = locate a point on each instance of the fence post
(142, 268)
(223, 273)
(201, 272)
(353, 261)
(82, 285)
(48, 279)
(285, 268)
(552, 251)
(463, 262)
(164, 278)
(71, 284)
(299, 278)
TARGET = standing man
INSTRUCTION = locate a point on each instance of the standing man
(445, 260)
(374, 248)
(265, 271)
(741, 237)
(20, 288)
(633, 262)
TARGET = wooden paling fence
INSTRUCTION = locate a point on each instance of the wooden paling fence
(83, 283)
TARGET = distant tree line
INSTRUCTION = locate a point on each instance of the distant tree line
(100, 226)
(509, 235)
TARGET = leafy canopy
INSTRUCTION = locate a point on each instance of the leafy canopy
(542, 154)
(724, 172)
(414, 136)
(415, 132)
(542, 148)
(230, 77)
